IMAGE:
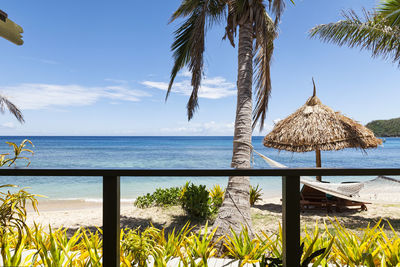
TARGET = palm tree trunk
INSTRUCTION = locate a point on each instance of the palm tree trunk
(235, 210)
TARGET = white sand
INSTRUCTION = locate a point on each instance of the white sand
(266, 215)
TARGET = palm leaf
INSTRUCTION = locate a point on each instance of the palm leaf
(265, 36)
(4, 102)
(188, 46)
(390, 10)
(277, 7)
(370, 33)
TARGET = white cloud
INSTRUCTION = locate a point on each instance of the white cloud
(211, 88)
(206, 128)
(42, 96)
(9, 125)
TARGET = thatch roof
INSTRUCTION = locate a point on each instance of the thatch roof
(315, 126)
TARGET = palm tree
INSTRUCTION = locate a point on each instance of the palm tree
(5, 103)
(257, 32)
(377, 31)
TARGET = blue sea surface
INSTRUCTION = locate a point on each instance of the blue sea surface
(168, 152)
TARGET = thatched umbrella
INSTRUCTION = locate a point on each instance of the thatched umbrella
(317, 127)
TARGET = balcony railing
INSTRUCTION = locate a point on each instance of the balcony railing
(290, 197)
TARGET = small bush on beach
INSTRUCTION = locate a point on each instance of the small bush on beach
(196, 200)
(255, 195)
(162, 197)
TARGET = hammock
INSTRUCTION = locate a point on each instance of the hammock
(380, 190)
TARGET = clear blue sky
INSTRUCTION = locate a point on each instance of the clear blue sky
(100, 68)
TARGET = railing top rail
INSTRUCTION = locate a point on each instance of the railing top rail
(202, 172)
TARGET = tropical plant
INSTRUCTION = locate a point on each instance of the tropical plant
(244, 248)
(217, 197)
(54, 248)
(196, 200)
(200, 246)
(18, 149)
(377, 31)
(355, 250)
(160, 198)
(141, 244)
(257, 31)
(255, 195)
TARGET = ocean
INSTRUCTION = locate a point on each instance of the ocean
(154, 152)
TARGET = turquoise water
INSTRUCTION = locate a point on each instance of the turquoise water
(169, 152)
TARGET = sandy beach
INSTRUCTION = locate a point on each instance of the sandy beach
(266, 216)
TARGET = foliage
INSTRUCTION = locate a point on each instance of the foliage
(141, 244)
(321, 247)
(243, 248)
(217, 196)
(160, 198)
(385, 127)
(200, 246)
(17, 151)
(189, 42)
(54, 248)
(196, 200)
(377, 31)
(255, 194)
(307, 257)
(355, 250)
(13, 208)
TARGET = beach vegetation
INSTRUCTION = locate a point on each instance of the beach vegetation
(196, 201)
(256, 31)
(162, 197)
(217, 195)
(255, 194)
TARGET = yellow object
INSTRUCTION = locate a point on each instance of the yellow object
(11, 31)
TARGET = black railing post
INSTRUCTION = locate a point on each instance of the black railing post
(111, 227)
(291, 221)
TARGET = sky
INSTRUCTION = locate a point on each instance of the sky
(102, 68)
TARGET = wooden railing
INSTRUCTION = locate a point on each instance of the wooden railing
(290, 197)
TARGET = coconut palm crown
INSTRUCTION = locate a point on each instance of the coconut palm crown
(189, 44)
(377, 31)
(257, 31)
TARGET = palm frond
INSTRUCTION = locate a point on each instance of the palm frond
(188, 46)
(4, 102)
(371, 33)
(390, 10)
(277, 7)
(264, 46)
(185, 9)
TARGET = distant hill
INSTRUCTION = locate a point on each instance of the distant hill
(385, 128)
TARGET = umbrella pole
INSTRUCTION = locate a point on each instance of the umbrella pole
(318, 161)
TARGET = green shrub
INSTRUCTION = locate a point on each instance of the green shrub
(167, 197)
(196, 200)
(255, 195)
(217, 197)
(160, 198)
